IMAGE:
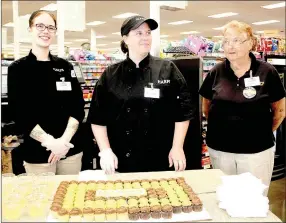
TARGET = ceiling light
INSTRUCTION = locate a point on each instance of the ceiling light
(190, 32)
(117, 42)
(218, 36)
(265, 22)
(180, 22)
(117, 33)
(222, 15)
(101, 44)
(99, 37)
(95, 23)
(50, 7)
(259, 32)
(164, 36)
(68, 42)
(10, 24)
(124, 15)
(81, 40)
(219, 28)
(273, 6)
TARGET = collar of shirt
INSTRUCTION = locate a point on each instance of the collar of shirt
(33, 57)
(143, 64)
(254, 65)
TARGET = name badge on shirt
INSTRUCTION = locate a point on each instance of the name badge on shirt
(151, 92)
(252, 81)
(73, 73)
(63, 86)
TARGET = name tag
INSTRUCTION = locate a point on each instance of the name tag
(73, 73)
(63, 86)
(151, 92)
(250, 82)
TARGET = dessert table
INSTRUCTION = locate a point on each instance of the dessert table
(203, 183)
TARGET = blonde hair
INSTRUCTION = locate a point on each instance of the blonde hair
(242, 28)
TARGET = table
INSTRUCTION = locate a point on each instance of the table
(203, 182)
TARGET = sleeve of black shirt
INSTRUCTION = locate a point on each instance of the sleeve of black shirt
(206, 90)
(77, 105)
(21, 105)
(275, 87)
(97, 111)
(184, 108)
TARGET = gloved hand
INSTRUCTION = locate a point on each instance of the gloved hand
(108, 161)
(59, 147)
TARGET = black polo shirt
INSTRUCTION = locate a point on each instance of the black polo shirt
(34, 99)
(141, 128)
(238, 123)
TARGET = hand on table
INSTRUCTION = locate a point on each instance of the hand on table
(177, 158)
(108, 161)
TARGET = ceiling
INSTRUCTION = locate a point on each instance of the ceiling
(197, 11)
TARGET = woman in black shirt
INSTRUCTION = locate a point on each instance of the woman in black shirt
(46, 102)
(141, 107)
(244, 101)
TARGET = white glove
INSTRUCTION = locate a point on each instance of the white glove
(59, 147)
(108, 161)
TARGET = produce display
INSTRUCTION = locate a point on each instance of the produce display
(125, 200)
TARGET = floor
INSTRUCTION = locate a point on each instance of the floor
(277, 196)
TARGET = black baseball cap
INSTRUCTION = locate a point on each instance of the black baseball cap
(134, 22)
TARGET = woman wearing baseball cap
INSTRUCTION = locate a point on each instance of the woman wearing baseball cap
(141, 107)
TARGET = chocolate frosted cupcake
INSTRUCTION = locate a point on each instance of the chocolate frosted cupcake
(122, 214)
(110, 214)
(167, 211)
(145, 213)
(197, 205)
(177, 207)
(99, 215)
(75, 215)
(134, 213)
(88, 214)
(156, 211)
(63, 215)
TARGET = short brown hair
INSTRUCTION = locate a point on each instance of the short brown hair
(242, 27)
(39, 12)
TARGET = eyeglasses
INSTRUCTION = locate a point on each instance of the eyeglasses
(42, 27)
(234, 42)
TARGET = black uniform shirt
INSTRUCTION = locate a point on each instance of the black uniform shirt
(236, 123)
(34, 99)
(138, 126)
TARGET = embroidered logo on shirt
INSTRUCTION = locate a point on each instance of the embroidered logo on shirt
(58, 70)
(163, 81)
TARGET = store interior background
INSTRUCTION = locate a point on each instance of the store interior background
(108, 36)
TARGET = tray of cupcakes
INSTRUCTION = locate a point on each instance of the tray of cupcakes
(163, 200)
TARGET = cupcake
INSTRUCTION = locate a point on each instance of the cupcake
(122, 214)
(54, 211)
(187, 206)
(145, 213)
(127, 186)
(164, 201)
(88, 214)
(136, 185)
(99, 215)
(89, 204)
(197, 205)
(75, 215)
(122, 203)
(110, 214)
(134, 213)
(58, 202)
(63, 215)
(167, 211)
(161, 196)
(177, 207)
(99, 198)
(156, 211)
(68, 206)
(152, 196)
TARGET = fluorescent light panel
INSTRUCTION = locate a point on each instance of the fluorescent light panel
(180, 22)
(68, 42)
(51, 7)
(190, 32)
(100, 37)
(219, 28)
(101, 44)
(117, 42)
(164, 36)
(222, 15)
(81, 40)
(117, 33)
(124, 15)
(265, 22)
(274, 6)
(95, 23)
